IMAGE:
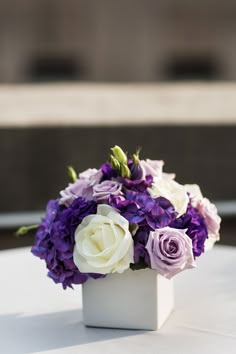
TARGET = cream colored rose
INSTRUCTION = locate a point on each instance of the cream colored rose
(103, 243)
(171, 190)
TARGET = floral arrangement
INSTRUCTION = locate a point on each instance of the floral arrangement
(127, 214)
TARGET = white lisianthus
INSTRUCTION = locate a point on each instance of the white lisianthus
(168, 188)
(212, 220)
(154, 168)
(103, 243)
(195, 193)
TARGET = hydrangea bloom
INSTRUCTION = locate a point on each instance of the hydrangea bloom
(142, 209)
(54, 240)
(141, 256)
(193, 221)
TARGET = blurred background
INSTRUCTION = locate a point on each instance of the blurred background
(178, 58)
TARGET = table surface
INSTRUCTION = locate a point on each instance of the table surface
(37, 316)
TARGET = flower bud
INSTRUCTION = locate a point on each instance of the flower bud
(135, 159)
(115, 163)
(72, 174)
(119, 154)
(136, 171)
(125, 171)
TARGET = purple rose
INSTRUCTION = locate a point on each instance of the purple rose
(170, 251)
(102, 191)
(83, 187)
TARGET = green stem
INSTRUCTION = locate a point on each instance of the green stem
(25, 229)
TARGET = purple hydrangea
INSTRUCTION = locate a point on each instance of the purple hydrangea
(141, 256)
(54, 240)
(193, 221)
(143, 210)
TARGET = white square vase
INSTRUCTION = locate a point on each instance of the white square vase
(140, 299)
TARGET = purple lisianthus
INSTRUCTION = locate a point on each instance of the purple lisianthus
(82, 187)
(54, 240)
(144, 210)
(170, 251)
(103, 190)
(137, 185)
(193, 221)
(79, 188)
(136, 170)
(92, 175)
(108, 171)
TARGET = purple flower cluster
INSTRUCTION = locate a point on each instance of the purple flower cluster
(146, 212)
(193, 221)
(167, 225)
(143, 210)
(54, 240)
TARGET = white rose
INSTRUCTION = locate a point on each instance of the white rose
(103, 243)
(171, 190)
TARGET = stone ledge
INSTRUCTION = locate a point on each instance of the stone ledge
(87, 104)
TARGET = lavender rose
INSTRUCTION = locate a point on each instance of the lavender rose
(102, 191)
(82, 187)
(170, 251)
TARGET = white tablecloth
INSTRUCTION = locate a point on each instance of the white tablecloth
(37, 316)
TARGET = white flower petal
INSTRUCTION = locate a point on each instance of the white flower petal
(103, 243)
(171, 190)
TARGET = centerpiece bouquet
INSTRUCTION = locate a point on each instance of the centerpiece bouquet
(128, 214)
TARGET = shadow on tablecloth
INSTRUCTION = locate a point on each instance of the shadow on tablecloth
(29, 334)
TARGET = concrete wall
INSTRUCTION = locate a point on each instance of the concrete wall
(110, 40)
